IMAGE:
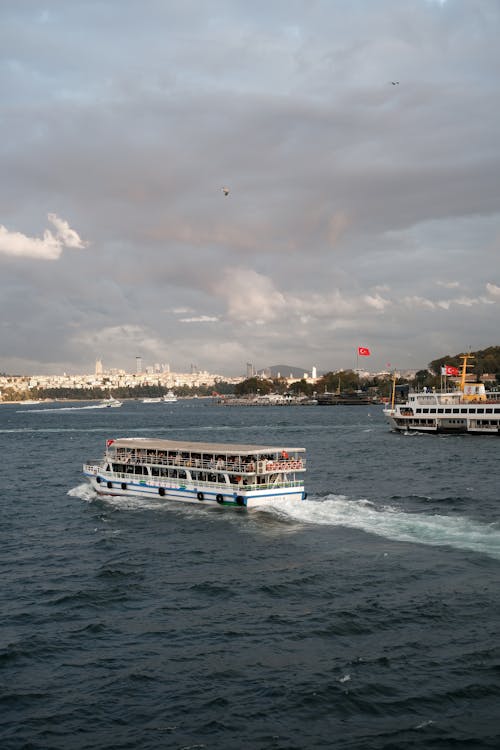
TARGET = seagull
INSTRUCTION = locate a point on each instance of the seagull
(225, 190)
(395, 83)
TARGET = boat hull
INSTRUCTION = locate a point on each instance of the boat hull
(442, 425)
(198, 495)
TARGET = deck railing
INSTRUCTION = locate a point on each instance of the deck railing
(232, 467)
(177, 482)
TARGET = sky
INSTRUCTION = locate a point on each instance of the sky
(359, 141)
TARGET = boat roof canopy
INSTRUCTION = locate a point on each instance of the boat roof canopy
(191, 447)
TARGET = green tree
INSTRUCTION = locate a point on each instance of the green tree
(253, 386)
(301, 387)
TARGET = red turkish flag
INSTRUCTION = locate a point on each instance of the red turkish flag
(363, 351)
(449, 370)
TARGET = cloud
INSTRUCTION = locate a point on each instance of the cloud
(49, 247)
(448, 284)
(376, 301)
(128, 337)
(200, 319)
(250, 296)
(493, 289)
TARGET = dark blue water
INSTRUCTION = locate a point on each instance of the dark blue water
(365, 617)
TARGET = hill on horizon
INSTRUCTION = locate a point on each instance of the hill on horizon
(284, 371)
(482, 361)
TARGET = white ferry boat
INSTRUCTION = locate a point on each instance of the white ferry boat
(468, 408)
(170, 397)
(246, 476)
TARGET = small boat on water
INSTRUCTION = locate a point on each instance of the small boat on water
(247, 476)
(152, 400)
(111, 402)
(170, 397)
(466, 408)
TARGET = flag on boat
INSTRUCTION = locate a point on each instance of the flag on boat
(449, 370)
(109, 442)
(363, 351)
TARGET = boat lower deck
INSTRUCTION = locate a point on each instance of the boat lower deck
(247, 496)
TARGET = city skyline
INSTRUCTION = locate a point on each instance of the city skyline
(227, 183)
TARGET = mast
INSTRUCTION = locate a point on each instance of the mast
(463, 378)
(393, 391)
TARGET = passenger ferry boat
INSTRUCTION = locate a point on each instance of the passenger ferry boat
(469, 408)
(246, 476)
(170, 397)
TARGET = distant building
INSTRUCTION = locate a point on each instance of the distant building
(250, 370)
(98, 367)
(138, 365)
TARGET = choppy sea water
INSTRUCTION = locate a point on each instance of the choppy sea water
(365, 617)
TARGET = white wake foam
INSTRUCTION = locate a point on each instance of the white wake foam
(61, 408)
(392, 523)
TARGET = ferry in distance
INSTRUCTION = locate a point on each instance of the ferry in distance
(170, 397)
(467, 408)
(226, 474)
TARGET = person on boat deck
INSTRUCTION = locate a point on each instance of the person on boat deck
(284, 455)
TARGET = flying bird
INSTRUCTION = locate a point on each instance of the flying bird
(225, 190)
(395, 83)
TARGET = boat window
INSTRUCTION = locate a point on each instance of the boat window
(440, 411)
(472, 411)
(489, 411)
(456, 411)
(480, 411)
(463, 411)
(425, 411)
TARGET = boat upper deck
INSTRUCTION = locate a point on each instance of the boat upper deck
(182, 446)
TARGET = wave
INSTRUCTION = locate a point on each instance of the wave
(61, 408)
(459, 532)
(389, 522)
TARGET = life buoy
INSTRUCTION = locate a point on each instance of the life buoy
(98, 480)
(109, 485)
(161, 491)
(124, 486)
(220, 499)
(240, 500)
(200, 495)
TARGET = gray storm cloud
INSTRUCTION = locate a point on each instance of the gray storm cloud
(359, 212)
